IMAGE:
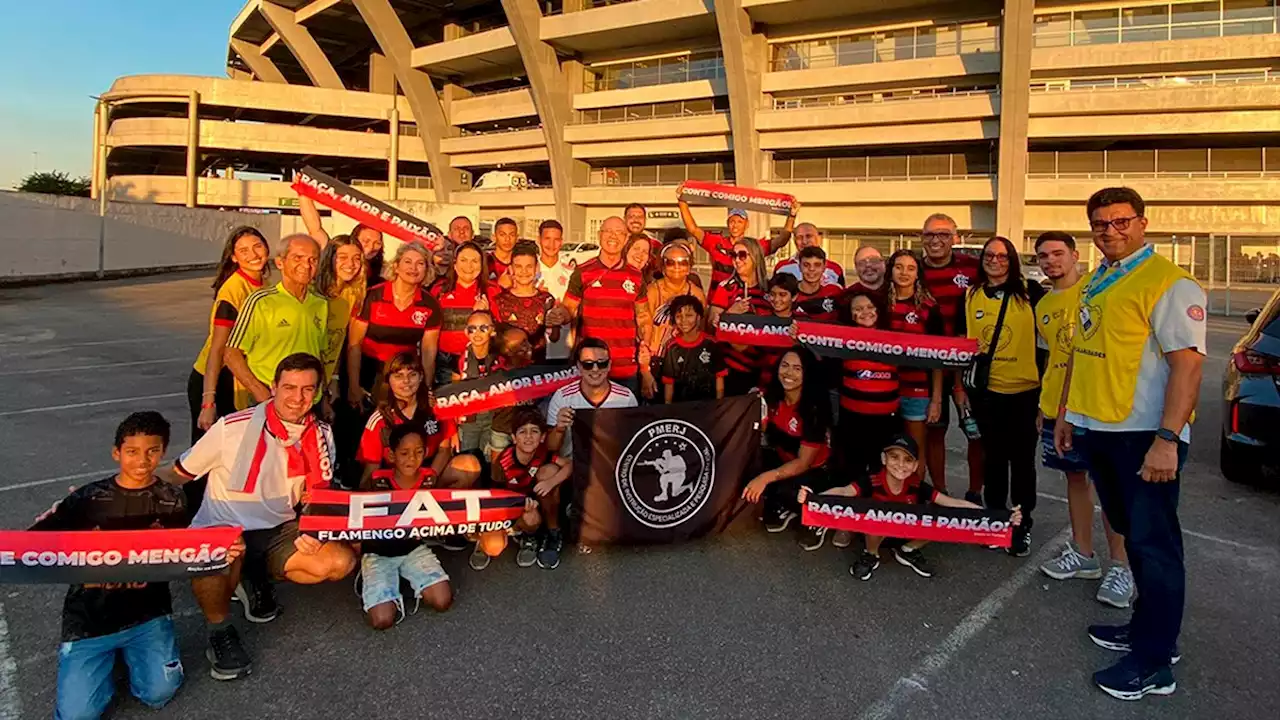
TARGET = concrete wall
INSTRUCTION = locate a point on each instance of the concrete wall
(50, 236)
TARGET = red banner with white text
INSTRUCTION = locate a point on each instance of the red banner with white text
(407, 514)
(341, 197)
(697, 192)
(500, 389)
(81, 557)
(913, 522)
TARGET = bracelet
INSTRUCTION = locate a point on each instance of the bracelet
(207, 406)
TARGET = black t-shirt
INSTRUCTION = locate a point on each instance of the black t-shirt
(384, 480)
(90, 612)
(692, 368)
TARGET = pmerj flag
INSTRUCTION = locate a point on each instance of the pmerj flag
(662, 473)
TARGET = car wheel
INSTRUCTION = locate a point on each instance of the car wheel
(1230, 464)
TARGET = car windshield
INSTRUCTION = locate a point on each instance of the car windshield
(1030, 259)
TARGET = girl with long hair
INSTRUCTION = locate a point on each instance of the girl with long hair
(912, 309)
(341, 281)
(463, 290)
(742, 293)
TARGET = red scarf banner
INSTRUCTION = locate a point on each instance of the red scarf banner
(913, 522)
(849, 343)
(697, 192)
(341, 197)
(82, 557)
(407, 514)
(500, 389)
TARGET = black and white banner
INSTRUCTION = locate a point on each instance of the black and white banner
(500, 389)
(80, 557)
(341, 197)
(662, 474)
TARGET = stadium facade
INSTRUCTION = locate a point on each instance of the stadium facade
(874, 113)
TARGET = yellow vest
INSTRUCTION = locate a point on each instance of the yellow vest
(1056, 321)
(1111, 332)
(1013, 364)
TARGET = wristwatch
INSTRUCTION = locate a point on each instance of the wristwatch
(1167, 435)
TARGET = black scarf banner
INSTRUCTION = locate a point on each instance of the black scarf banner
(343, 198)
(755, 330)
(662, 474)
(850, 343)
(914, 522)
(500, 389)
(407, 514)
(81, 557)
(697, 192)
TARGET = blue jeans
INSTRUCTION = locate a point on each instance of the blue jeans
(150, 651)
(1146, 514)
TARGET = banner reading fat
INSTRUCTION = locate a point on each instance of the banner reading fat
(501, 389)
(407, 514)
(696, 192)
(113, 556)
(343, 198)
(913, 522)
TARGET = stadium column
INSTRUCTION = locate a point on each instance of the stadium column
(393, 157)
(1015, 101)
(304, 47)
(744, 53)
(552, 88)
(262, 66)
(428, 113)
(193, 148)
(382, 77)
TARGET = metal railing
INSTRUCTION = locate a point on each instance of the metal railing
(584, 119)
(660, 71)
(887, 178)
(866, 49)
(1108, 34)
(1157, 175)
(887, 96)
(1158, 82)
(498, 131)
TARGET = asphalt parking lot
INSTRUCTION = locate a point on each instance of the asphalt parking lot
(744, 624)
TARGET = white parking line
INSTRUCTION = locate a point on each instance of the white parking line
(99, 366)
(73, 406)
(1192, 533)
(972, 624)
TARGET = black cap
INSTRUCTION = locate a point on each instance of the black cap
(906, 443)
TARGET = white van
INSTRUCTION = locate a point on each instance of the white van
(503, 180)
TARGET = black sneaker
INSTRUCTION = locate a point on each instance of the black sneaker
(915, 560)
(777, 520)
(549, 550)
(974, 497)
(258, 601)
(1127, 681)
(864, 565)
(811, 538)
(1021, 545)
(454, 543)
(1116, 638)
(227, 658)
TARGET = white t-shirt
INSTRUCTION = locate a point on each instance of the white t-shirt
(570, 396)
(832, 275)
(555, 278)
(1177, 323)
(275, 495)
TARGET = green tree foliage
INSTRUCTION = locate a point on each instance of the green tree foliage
(55, 183)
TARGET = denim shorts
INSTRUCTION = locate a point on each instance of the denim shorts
(913, 409)
(1073, 461)
(381, 575)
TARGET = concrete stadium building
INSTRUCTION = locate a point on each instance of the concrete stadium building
(1006, 115)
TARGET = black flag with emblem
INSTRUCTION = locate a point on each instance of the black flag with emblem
(662, 473)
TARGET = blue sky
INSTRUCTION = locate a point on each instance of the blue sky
(55, 54)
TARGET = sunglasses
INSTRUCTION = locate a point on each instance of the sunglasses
(479, 328)
(594, 364)
(937, 236)
(676, 263)
(740, 255)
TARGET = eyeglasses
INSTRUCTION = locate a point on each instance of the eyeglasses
(594, 364)
(1099, 227)
(937, 236)
(479, 328)
(869, 262)
(675, 263)
(740, 255)
(996, 257)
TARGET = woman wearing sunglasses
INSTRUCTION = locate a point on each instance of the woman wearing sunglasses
(742, 294)
(677, 261)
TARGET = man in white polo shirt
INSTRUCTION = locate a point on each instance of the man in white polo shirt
(592, 391)
(261, 462)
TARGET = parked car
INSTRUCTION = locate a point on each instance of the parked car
(579, 252)
(1250, 447)
(503, 180)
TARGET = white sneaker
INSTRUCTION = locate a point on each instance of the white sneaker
(1072, 564)
(1117, 587)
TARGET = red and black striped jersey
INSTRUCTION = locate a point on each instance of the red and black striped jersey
(786, 433)
(914, 490)
(868, 387)
(749, 358)
(925, 319)
(948, 284)
(497, 268)
(374, 442)
(456, 306)
(719, 248)
(822, 305)
(392, 330)
(607, 298)
(511, 474)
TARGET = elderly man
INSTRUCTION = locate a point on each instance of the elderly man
(1132, 384)
(278, 321)
(808, 235)
(608, 296)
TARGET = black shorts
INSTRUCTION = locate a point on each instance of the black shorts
(271, 547)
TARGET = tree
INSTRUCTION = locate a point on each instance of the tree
(55, 183)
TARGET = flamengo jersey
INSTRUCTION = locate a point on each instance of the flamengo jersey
(948, 284)
(374, 441)
(226, 308)
(822, 305)
(555, 278)
(915, 491)
(750, 357)
(456, 306)
(607, 298)
(274, 495)
(392, 330)
(906, 316)
(868, 387)
(785, 432)
(510, 474)
(691, 368)
(273, 325)
(719, 247)
(832, 275)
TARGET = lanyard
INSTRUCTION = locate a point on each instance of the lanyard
(1105, 278)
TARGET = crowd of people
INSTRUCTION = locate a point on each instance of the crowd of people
(324, 378)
